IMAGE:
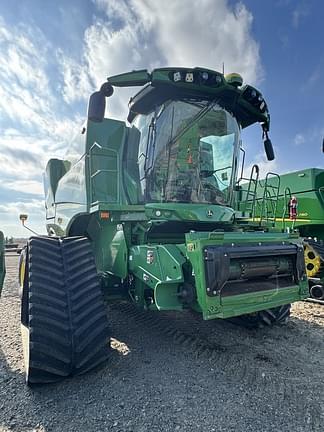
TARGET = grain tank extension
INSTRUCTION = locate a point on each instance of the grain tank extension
(292, 201)
(144, 210)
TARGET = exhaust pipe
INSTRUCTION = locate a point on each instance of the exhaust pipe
(317, 292)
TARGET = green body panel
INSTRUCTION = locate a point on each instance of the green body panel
(189, 212)
(110, 246)
(165, 268)
(308, 187)
(224, 307)
(163, 275)
(104, 145)
(152, 249)
(2, 261)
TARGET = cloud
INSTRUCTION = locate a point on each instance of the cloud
(15, 208)
(32, 187)
(264, 165)
(299, 139)
(137, 34)
(301, 11)
(9, 216)
(45, 89)
(77, 82)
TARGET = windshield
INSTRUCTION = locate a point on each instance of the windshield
(186, 152)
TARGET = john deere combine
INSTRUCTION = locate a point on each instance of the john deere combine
(2, 261)
(294, 201)
(145, 211)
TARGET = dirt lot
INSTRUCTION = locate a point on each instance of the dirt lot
(172, 372)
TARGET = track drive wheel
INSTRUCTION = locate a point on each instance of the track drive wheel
(64, 322)
(268, 317)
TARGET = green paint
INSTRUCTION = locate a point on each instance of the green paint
(308, 187)
(156, 194)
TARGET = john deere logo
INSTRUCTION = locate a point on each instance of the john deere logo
(210, 213)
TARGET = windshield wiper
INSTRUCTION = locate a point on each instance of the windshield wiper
(209, 173)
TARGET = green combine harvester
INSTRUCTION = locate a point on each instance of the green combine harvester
(147, 211)
(2, 260)
(293, 201)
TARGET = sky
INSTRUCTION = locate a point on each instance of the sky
(55, 54)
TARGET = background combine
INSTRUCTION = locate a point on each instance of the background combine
(293, 201)
(148, 211)
(2, 260)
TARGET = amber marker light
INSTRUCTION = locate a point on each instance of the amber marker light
(104, 215)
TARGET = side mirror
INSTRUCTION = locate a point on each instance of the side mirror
(97, 106)
(269, 149)
(97, 102)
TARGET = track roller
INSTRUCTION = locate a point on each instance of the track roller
(64, 322)
(268, 317)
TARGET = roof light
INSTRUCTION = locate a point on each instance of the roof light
(205, 76)
(189, 77)
(177, 76)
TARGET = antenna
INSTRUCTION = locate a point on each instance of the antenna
(223, 68)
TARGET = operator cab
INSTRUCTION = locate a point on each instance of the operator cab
(187, 152)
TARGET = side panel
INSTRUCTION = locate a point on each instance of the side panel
(92, 174)
(110, 247)
(105, 143)
(158, 274)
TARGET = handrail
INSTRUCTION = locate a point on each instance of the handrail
(269, 198)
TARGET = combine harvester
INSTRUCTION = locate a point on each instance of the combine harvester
(294, 201)
(2, 260)
(148, 211)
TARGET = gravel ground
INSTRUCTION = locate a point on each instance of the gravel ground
(173, 372)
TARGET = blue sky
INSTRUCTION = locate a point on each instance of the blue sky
(54, 54)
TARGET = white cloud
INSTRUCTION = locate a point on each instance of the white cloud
(153, 34)
(39, 81)
(32, 187)
(300, 11)
(264, 165)
(77, 82)
(15, 208)
(9, 216)
(299, 139)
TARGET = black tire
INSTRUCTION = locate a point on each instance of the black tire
(265, 318)
(22, 269)
(64, 322)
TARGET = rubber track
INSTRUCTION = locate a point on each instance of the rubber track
(68, 332)
(268, 317)
(88, 313)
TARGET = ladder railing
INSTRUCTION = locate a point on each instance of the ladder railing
(270, 199)
(248, 204)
